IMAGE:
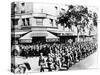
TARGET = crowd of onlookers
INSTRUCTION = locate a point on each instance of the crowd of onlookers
(57, 56)
(36, 49)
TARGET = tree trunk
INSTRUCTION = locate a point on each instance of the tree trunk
(63, 28)
(89, 32)
(78, 35)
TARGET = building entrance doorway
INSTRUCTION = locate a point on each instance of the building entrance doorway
(38, 40)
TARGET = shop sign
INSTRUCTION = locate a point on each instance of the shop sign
(25, 41)
(64, 34)
(52, 40)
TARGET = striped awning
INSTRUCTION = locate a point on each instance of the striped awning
(51, 37)
(62, 33)
(28, 37)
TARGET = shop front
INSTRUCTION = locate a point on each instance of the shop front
(64, 36)
(35, 37)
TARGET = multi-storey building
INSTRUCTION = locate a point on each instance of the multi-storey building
(28, 22)
(36, 21)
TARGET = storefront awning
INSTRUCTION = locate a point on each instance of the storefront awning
(62, 33)
(51, 37)
(26, 39)
(48, 36)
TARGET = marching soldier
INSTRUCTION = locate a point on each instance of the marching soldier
(41, 62)
(57, 62)
(49, 62)
(67, 60)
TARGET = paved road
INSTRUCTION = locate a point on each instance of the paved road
(89, 62)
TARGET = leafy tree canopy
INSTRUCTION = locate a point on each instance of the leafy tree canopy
(75, 15)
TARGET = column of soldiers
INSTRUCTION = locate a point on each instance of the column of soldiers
(59, 56)
(63, 56)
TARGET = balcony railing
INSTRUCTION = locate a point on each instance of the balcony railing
(33, 28)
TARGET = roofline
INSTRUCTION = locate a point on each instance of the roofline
(30, 15)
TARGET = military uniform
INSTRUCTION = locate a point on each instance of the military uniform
(42, 63)
(49, 63)
(57, 63)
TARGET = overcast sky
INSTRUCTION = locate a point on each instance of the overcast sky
(50, 8)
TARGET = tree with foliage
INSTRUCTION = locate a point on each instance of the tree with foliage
(77, 16)
(93, 17)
